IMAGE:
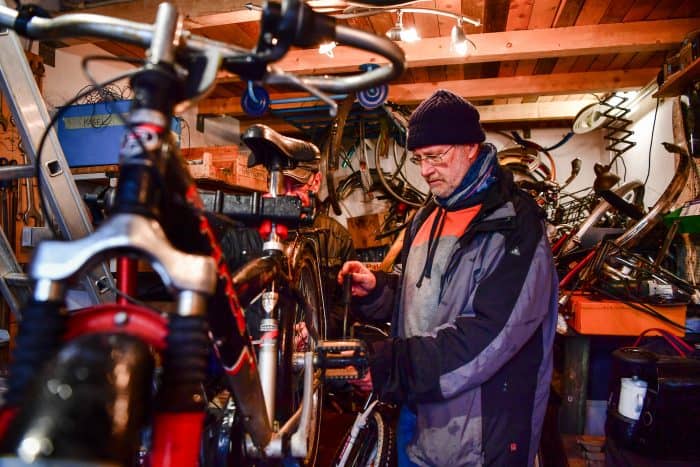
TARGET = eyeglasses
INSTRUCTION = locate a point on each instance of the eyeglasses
(432, 159)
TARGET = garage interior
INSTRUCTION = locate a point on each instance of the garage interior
(581, 98)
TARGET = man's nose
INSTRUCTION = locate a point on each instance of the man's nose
(426, 168)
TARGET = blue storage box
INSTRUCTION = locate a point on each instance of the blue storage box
(91, 134)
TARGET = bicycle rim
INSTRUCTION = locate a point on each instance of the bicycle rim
(305, 280)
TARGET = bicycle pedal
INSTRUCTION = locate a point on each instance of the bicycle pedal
(342, 374)
(342, 359)
(341, 345)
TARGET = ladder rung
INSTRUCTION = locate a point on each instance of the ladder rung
(17, 278)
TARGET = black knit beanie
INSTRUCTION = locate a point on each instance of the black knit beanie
(444, 118)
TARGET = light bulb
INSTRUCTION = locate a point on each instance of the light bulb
(409, 35)
(394, 33)
(327, 48)
(458, 41)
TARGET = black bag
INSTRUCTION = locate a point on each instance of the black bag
(666, 424)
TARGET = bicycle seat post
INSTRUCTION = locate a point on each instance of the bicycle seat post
(273, 243)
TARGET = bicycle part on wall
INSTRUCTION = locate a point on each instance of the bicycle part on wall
(633, 234)
(330, 153)
(365, 178)
(622, 272)
(397, 186)
(633, 188)
(680, 139)
(526, 162)
(589, 118)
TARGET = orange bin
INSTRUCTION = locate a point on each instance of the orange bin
(615, 318)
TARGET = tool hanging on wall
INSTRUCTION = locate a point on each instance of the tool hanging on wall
(3, 120)
(30, 212)
(365, 177)
(330, 155)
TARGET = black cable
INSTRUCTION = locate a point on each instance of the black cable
(624, 169)
(52, 122)
(644, 308)
(651, 140)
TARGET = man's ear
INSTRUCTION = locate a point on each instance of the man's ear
(473, 152)
(315, 182)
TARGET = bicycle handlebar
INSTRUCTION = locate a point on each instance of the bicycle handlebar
(306, 27)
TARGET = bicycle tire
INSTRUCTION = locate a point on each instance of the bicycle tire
(304, 304)
(375, 444)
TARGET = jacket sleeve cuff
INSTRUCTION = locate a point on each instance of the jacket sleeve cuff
(376, 293)
(380, 368)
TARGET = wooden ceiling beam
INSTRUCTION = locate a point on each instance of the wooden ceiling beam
(643, 36)
(145, 10)
(486, 88)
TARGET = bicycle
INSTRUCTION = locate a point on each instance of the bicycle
(94, 369)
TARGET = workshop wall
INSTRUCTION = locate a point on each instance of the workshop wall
(65, 79)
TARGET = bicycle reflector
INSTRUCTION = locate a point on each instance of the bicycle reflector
(255, 101)
(373, 97)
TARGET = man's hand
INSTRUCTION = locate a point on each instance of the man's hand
(363, 385)
(363, 281)
(301, 337)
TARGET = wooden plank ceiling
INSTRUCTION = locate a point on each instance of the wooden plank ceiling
(529, 56)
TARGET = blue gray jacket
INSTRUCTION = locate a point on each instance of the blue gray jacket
(479, 382)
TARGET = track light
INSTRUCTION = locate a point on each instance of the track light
(399, 33)
(458, 41)
(394, 33)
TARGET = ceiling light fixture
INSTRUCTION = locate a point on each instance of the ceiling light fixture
(458, 41)
(460, 44)
(399, 33)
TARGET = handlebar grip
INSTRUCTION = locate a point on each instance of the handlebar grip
(347, 289)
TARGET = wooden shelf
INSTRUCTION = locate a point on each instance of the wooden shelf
(677, 82)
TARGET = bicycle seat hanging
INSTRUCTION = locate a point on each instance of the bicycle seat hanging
(275, 151)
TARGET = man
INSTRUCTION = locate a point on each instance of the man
(243, 243)
(474, 310)
(335, 241)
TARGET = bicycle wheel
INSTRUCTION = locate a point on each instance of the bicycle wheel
(304, 305)
(375, 444)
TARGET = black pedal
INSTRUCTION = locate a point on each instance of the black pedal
(342, 359)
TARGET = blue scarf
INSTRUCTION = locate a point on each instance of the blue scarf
(479, 177)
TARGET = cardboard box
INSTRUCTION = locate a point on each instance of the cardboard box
(227, 165)
(615, 318)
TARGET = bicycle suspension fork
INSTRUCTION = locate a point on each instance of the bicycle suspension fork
(134, 230)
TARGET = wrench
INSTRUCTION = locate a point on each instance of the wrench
(30, 212)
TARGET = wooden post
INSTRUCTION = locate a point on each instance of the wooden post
(572, 416)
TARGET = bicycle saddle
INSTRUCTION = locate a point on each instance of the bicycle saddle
(270, 148)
